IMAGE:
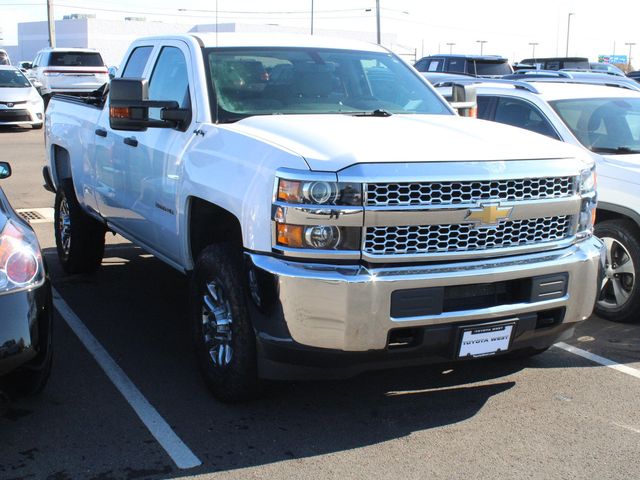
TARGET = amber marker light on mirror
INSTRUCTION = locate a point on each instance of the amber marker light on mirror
(120, 112)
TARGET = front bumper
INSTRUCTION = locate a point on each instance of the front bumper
(347, 309)
(25, 326)
(22, 114)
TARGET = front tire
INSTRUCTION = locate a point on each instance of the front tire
(619, 298)
(37, 126)
(79, 237)
(224, 340)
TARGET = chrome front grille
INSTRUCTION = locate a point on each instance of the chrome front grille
(464, 192)
(464, 237)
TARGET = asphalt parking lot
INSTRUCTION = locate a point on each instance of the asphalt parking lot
(558, 415)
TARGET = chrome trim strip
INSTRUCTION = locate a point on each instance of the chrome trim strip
(468, 254)
(449, 215)
(317, 215)
(461, 171)
(309, 253)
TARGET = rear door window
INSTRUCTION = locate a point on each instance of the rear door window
(492, 68)
(456, 65)
(75, 59)
(136, 63)
(522, 114)
(435, 66)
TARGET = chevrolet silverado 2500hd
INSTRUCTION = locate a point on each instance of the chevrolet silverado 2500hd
(333, 213)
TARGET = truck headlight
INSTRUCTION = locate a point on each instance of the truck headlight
(587, 217)
(319, 192)
(320, 237)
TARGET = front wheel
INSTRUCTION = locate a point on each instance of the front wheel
(79, 237)
(619, 298)
(224, 340)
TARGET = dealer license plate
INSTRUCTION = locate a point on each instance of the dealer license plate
(485, 340)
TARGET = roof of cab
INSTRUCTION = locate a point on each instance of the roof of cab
(229, 40)
(563, 90)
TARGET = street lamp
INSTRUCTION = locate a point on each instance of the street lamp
(533, 46)
(631, 44)
(451, 44)
(481, 42)
(568, 30)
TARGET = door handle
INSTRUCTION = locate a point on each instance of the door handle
(101, 132)
(131, 141)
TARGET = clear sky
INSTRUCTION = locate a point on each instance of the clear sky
(507, 26)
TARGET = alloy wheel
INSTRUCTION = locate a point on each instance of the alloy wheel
(619, 280)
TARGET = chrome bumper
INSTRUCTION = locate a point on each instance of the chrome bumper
(348, 307)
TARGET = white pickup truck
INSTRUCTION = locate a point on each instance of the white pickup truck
(333, 213)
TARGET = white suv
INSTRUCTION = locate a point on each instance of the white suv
(604, 120)
(72, 71)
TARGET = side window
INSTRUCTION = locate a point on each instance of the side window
(518, 113)
(421, 65)
(485, 106)
(169, 80)
(136, 62)
(434, 66)
(456, 65)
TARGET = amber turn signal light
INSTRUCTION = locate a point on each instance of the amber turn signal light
(120, 112)
(290, 235)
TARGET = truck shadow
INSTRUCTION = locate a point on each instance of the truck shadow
(13, 129)
(135, 307)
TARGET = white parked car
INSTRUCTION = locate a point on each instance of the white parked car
(604, 120)
(72, 71)
(20, 103)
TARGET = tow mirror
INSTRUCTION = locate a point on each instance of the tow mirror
(129, 106)
(5, 170)
(112, 72)
(464, 99)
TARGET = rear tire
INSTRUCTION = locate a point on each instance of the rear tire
(619, 297)
(223, 336)
(79, 237)
(37, 126)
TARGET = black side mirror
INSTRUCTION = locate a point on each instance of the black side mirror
(5, 170)
(129, 106)
(112, 72)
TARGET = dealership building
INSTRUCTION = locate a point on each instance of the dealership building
(112, 37)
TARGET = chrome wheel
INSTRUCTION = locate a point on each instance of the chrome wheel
(216, 325)
(620, 276)
(64, 226)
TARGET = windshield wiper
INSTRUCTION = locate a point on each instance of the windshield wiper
(378, 112)
(618, 150)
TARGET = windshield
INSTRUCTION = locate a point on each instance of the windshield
(493, 68)
(266, 81)
(13, 79)
(75, 59)
(604, 125)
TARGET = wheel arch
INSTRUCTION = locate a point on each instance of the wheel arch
(610, 211)
(60, 163)
(208, 223)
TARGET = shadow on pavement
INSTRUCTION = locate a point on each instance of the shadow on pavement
(135, 307)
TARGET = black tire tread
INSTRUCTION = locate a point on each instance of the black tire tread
(628, 233)
(87, 234)
(239, 381)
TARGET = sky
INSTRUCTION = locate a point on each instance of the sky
(426, 27)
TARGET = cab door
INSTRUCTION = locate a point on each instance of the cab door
(153, 160)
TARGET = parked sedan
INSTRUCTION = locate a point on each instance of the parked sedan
(25, 306)
(20, 102)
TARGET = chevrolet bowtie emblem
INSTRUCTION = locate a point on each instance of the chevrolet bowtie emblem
(488, 215)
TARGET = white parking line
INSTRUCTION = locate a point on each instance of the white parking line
(634, 372)
(182, 456)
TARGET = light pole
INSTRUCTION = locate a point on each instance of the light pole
(481, 42)
(631, 44)
(378, 19)
(533, 46)
(311, 17)
(451, 44)
(568, 30)
(52, 24)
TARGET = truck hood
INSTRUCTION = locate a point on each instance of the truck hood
(334, 142)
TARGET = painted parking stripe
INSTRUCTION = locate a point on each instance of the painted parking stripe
(182, 456)
(634, 372)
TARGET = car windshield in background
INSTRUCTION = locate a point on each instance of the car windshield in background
(603, 125)
(75, 59)
(13, 79)
(261, 81)
(492, 68)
